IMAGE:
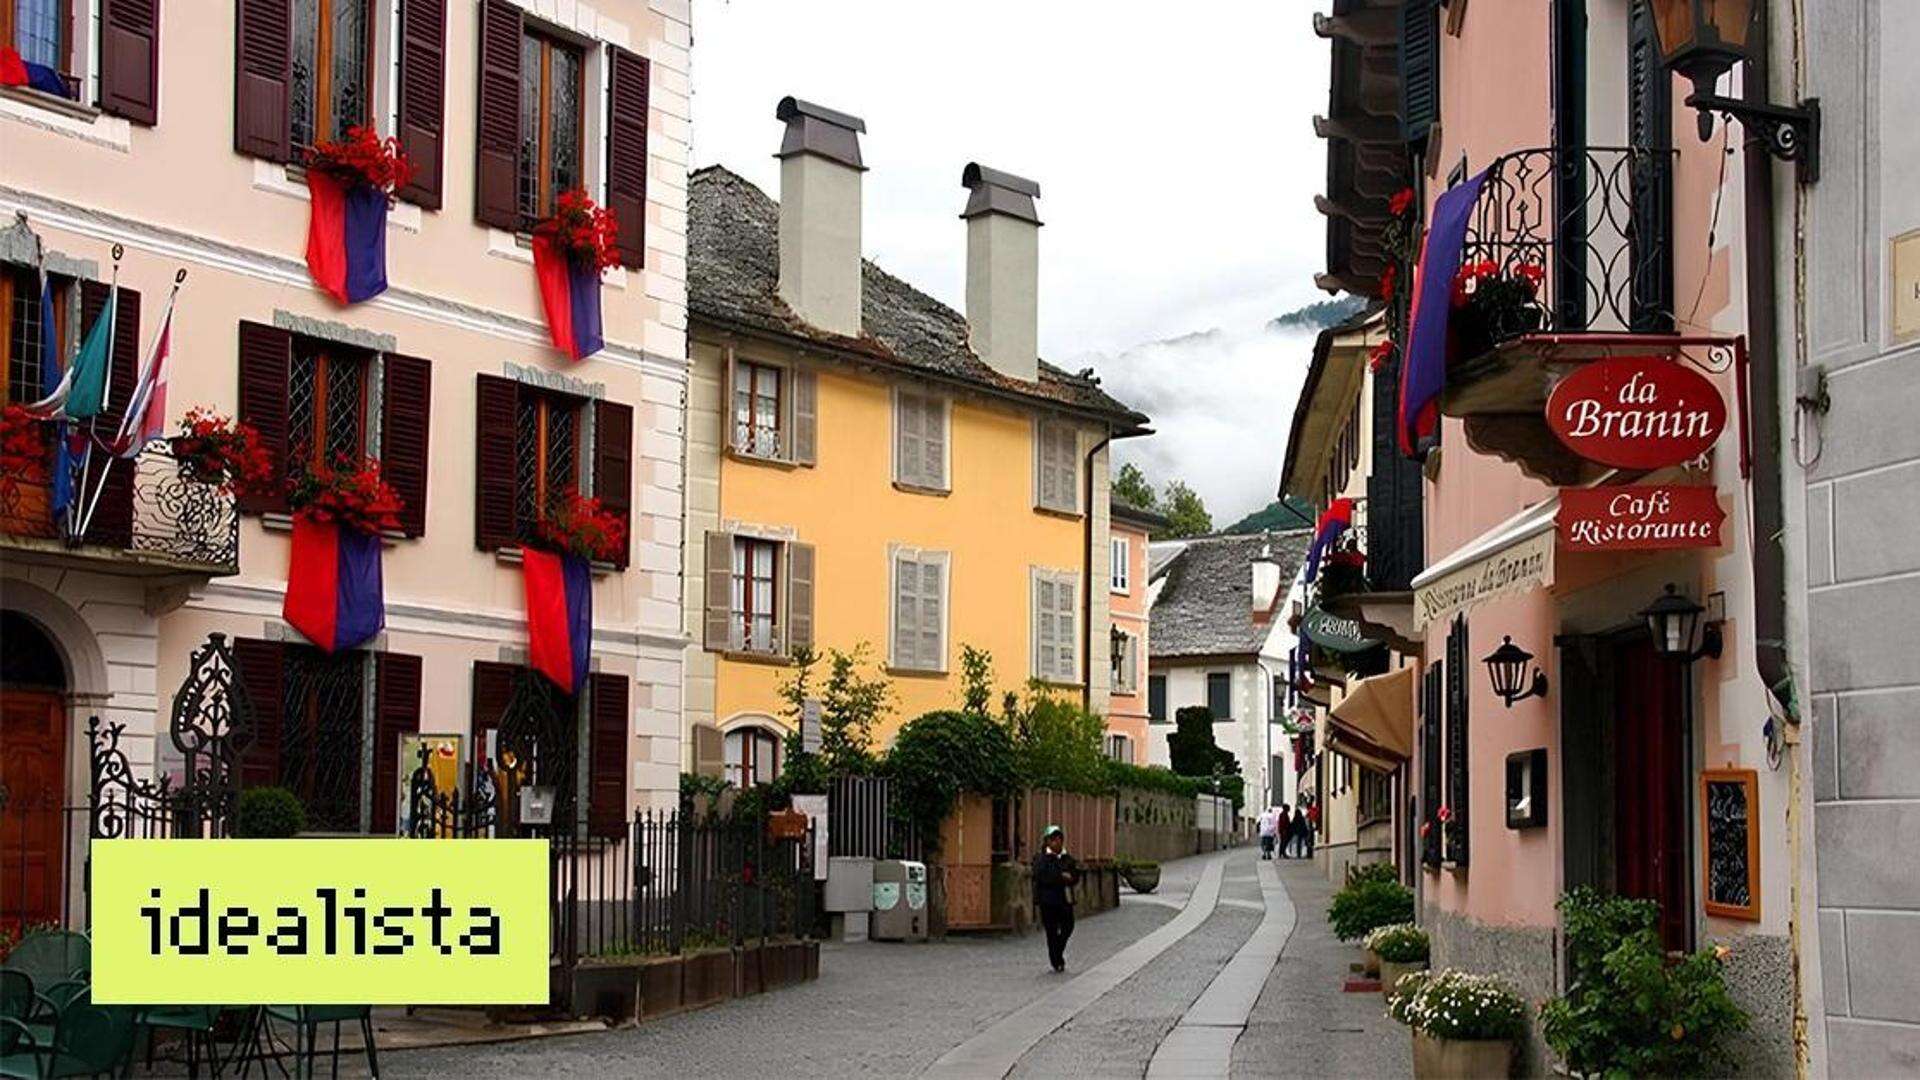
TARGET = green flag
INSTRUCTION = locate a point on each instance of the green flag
(87, 386)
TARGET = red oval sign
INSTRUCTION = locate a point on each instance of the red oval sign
(1636, 412)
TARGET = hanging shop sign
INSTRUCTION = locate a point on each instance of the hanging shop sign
(1335, 634)
(1524, 565)
(1636, 412)
(1639, 518)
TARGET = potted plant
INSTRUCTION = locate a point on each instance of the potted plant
(579, 525)
(1492, 303)
(23, 450)
(1402, 949)
(1143, 875)
(268, 813)
(214, 449)
(1372, 898)
(351, 182)
(1464, 1026)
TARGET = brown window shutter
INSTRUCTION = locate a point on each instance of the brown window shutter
(405, 415)
(423, 92)
(719, 581)
(130, 59)
(627, 152)
(497, 139)
(496, 414)
(262, 73)
(799, 597)
(709, 751)
(493, 685)
(261, 667)
(613, 466)
(806, 417)
(608, 739)
(396, 695)
(265, 354)
(112, 523)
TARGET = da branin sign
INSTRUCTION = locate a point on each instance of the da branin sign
(308, 922)
(1636, 412)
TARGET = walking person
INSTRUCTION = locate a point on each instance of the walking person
(1312, 826)
(1269, 824)
(1054, 875)
(1282, 830)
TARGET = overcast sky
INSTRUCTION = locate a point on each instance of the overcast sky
(1176, 159)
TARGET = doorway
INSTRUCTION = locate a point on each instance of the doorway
(33, 757)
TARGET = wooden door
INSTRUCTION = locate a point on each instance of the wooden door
(966, 850)
(1650, 794)
(32, 759)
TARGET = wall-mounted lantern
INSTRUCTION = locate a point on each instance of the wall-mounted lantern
(1703, 40)
(1508, 667)
(1679, 632)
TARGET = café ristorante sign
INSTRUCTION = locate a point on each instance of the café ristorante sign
(1643, 517)
(1636, 412)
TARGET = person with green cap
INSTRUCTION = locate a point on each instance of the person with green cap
(1054, 876)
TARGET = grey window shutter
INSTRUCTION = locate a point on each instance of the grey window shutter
(806, 419)
(1047, 632)
(800, 575)
(719, 575)
(1067, 595)
(906, 610)
(906, 439)
(709, 751)
(931, 645)
(936, 442)
(728, 418)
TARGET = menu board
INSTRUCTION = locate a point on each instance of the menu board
(1729, 804)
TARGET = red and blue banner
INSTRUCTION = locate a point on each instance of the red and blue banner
(16, 71)
(570, 292)
(559, 616)
(1424, 375)
(334, 593)
(1334, 521)
(347, 237)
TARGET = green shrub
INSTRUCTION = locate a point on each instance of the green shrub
(939, 756)
(1399, 943)
(1455, 1005)
(1058, 744)
(1121, 775)
(1367, 904)
(1379, 871)
(1628, 1010)
(269, 813)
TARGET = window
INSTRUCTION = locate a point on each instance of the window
(1157, 699)
(1376, 796)
(753, 757)
(1056, 626)
(1278, 707)
(919, 610)
(756, 596)
(1220, 695)
(757, 399)
(331, 89)
(1456, 827)
(38, 30)
(552, 89)
(1121, 560)
(1126, 663)
(920, 440)
(326, 404)
(1120, 749)
(1056, 467)
(547, 441)
(20, 348)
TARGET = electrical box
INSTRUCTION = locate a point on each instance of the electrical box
(899, 901)
(849, 883)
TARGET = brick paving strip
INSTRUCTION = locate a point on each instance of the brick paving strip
(993, 1053)
(1201, 1044)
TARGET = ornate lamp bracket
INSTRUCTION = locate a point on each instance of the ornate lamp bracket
(1789, 133)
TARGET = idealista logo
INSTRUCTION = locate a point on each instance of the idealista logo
(310, 921)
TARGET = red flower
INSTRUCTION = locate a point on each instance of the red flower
(1378, 358)
(214, 449)
(363, 157)
(581, 526)
(351, 493)
(583, 231)
(1386, 281)
(1445, 814)
(1532, 273)
(1401, 200)
(24, 449)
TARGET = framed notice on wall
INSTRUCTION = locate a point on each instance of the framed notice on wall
(1730, 842)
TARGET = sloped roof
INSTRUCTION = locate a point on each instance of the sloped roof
(733, 272)
(1205, 606)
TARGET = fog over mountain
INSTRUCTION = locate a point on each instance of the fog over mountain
(1221, 402)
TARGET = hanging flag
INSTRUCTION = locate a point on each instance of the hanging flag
(16, 71)
(570, 292)
(346, 237)
(1424, 374)
(60, 493)
(1333, 521)
(559, 616)
(334, 592)
(146, 418)
(82, 390)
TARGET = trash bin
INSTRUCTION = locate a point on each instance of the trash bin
(899, 901)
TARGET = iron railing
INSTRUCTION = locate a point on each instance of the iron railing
(1597, 220)
(177, 521)
(862, 820)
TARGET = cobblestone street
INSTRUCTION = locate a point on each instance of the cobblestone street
(1181, 983)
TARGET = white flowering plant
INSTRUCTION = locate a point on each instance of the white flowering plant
(1398, 943)
(1454, 1004)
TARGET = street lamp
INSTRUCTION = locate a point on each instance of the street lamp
(1703, 40)
(1507, 666)
(1678, 632)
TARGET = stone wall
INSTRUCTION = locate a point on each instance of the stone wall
(1152, 826)
(1526, 956)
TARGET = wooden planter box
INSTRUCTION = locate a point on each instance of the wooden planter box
(708, 979)
(1460, 1059)
(609, 990)
(749, 975)
(662, 987)
(776, 964)
(810, 960)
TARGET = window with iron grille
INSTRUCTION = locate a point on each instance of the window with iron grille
(757, 403)
(323, 720)
(327, 405)
(331, 86)
(756, 594)
(20, 349)
(552, 122)
(546, 455)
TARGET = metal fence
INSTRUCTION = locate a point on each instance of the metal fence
(861, 821)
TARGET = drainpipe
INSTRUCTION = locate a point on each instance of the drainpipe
(1266, 735)
(1086, 577)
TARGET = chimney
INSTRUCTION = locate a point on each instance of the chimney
(820, 215)
(1266, 582)
(1003, 271)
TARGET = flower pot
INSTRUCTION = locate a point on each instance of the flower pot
(1391, 972)
(1143, 879)
(1372, 967)
(1460, 1059)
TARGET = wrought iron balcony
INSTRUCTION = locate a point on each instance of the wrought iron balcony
(168, 524)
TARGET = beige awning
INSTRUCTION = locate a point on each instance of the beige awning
(1376, 719)
(1513, 556)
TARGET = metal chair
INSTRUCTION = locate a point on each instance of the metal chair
(86, 1040)
(306, 1021)
(197, 1022)
(52, 956)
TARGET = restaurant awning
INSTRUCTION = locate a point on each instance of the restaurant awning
(1375, 721)
(1513, 556)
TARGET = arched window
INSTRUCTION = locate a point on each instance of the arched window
(30, 658)
(753, 756)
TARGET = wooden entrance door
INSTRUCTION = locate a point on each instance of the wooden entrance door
(32, 760)
(1650, 788)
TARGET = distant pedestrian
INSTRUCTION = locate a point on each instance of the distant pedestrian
(1282, 831)
(1054, 876)
(1310, 826)
(1269, 822)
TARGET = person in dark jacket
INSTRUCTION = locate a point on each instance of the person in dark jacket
(1054, 876)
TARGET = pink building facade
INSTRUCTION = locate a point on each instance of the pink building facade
(1129, 709)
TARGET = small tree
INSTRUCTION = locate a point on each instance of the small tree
(851, 702)
(1191, 749)
(976, 680)
(1059, 744)
(1130, 486)
(1186, 514)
